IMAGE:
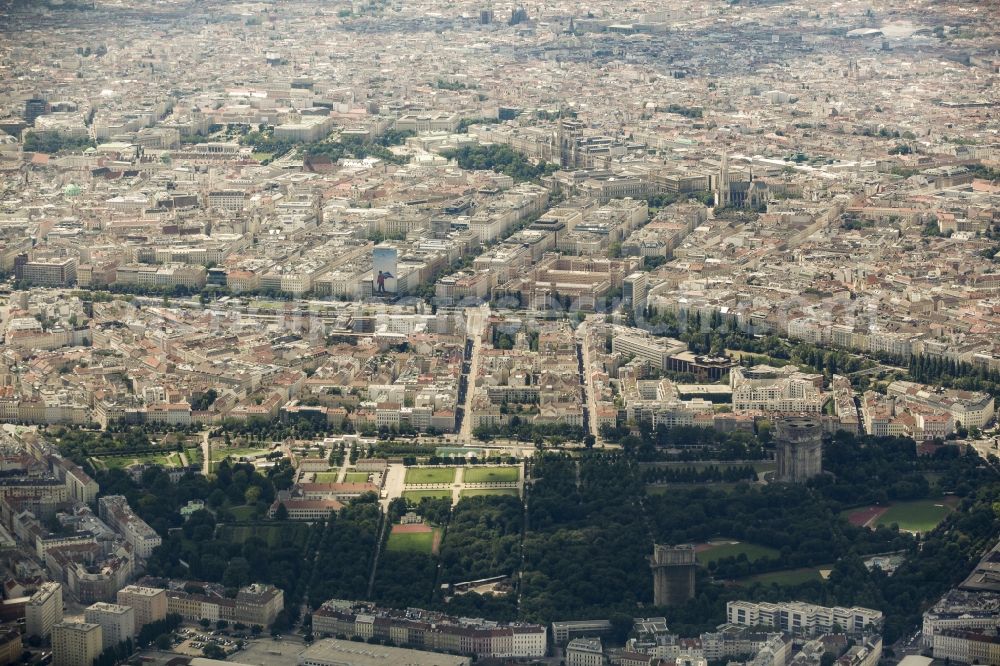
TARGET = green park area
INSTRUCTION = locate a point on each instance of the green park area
(357, 477)
(491, 474)
(171, 459)
(414, 496)
(326, 477)
(288, 534)
(917, 516)
(418, 475)
(220, 453)
(412, 542)
(663, 489)
(243, 513)
(788, 576)
(488, 492)
(714, 551)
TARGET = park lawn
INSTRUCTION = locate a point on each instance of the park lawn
(751, 550)
(260, 157)
(326, 477)
(242, 513)
(758, 358)
(411, 542)
(415, 496)
(662, 489)
(430, 475)
(221, 453)
(171, 459)
(194, 455)
(758, 465)
(787, 576)
(357, 477)
(292, 534)
(491, 474)
(486, 492)
(916, 516)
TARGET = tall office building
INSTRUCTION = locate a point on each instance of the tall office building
(799, 444)
(34, 107)
(75, 643)
(673, 574)
(634, 293)
(43, 610)
(117, 622)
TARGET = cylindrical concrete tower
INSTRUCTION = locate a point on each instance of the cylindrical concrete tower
(799, 441)
(673, 574)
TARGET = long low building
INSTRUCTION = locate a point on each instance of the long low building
(803, 619)
(434, 631)
(967, 647)
(962, 610)
(333, 652)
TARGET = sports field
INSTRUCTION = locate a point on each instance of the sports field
(430, 475)
(917, 516)
(414, 539)
(491, 474)
(865, 516)
(714, 551)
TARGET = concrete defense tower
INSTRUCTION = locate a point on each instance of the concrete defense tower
(799, 442)
(673, 574)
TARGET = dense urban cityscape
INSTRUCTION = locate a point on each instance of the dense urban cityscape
(441, 332)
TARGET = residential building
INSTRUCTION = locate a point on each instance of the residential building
(76, 643)
(431, 630)
(116, 512)
(46, 272)
(117, 622)
(44, 610)
(585, 652)
(258, 604)
(148, 604)
(803, 619)
(11, 646)
(968, 647)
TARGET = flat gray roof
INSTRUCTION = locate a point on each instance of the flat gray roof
(337, 652)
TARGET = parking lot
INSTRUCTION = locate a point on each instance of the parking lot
(262, 651)
(265, 651)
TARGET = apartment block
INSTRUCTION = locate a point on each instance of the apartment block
(76, 643)
(117, 622)
(44, 610)
(116, 512)
(803, 619)
(148, 604)
(430, 630)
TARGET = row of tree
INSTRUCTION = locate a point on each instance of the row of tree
(707, 474)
